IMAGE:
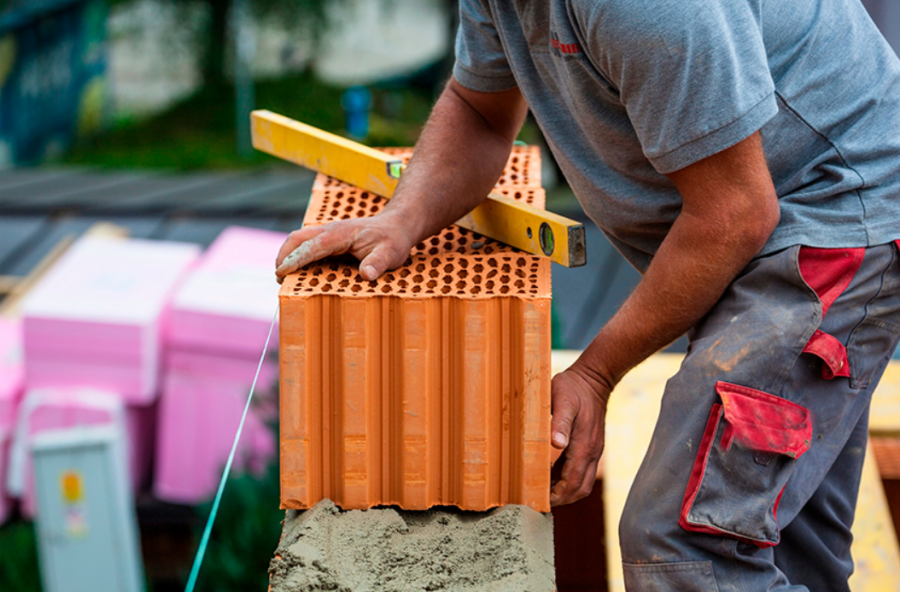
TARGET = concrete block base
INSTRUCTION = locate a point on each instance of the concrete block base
(507, 549)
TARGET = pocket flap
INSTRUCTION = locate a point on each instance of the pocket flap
(761, 421)
(832, 353)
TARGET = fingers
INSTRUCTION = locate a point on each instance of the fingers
(568, 492)
(294, 240)
(577, 482)
(577, 424)
(323, 243)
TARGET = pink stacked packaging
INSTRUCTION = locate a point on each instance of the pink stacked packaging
(11, 381)
(94, 324)
(95, 319)
(219, 321)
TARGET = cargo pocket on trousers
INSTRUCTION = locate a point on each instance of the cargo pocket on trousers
(688, 576)
(745, 458)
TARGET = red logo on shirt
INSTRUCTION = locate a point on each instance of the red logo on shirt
(564, 47)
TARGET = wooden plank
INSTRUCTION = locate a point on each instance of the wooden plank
(884, 419)
(8, 283)
(630, 419)
(628, 432)
(876, 552)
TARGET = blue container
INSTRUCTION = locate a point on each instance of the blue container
(356, 102)
(53, 59)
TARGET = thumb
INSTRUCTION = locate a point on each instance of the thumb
(564, 411)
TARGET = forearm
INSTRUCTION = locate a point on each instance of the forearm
(730, 209)
(691, 270)
(458, 159)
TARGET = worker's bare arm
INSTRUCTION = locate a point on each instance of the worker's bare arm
(458, 158)
(730, 209)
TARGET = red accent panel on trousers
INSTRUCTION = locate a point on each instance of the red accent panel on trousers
(829, 271)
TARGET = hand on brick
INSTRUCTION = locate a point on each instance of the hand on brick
(381, 243)
(579, 415)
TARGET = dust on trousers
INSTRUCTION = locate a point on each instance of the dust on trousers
(752, 475)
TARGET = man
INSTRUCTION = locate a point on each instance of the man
(745, 157)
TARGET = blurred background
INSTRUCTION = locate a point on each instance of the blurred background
(125, 155)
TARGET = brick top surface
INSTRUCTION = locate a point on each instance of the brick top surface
(453, 263)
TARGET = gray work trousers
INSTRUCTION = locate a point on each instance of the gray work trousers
(751, 478)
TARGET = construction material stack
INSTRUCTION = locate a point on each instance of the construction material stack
(428, 387)
(11, 385)
(92, 332)
(219, 321)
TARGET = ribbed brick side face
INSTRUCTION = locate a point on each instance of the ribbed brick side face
(430, 386)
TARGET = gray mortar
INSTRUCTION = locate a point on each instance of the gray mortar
(508, 549)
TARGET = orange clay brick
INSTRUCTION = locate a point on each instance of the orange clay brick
(430, 386)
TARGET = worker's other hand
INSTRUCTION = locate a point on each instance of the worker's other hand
(381, 242)
(579, 415)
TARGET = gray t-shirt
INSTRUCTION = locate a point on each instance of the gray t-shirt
(626, 90)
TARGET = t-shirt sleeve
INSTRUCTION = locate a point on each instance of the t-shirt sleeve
(481, 64)
(692, 74)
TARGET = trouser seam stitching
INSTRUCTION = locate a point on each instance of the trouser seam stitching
(856, 384)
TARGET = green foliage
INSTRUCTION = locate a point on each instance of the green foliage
(245, 534)
(556, 329)
(18, 557)
(199, 132)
